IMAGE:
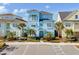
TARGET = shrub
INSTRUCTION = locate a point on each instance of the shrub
(38, 38)
(48, 37)
(57, 38)
(10, 36)
(53, 38)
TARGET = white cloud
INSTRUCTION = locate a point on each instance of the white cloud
(3, 9)
(15, 11)
(47, 6)
(18, 11)
(21, 12)
(6, 4)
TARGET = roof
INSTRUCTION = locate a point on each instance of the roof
(21, 19)
(10, 14)
(33, 10)
(64, 14)
(44, 12)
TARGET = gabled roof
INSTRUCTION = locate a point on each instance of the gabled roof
(21, 19)
(10, 14)
(44, 12)
(64, 14)
(33, 10)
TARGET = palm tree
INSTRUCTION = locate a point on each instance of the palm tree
(21, 27)
(31, 32)
(10, 35)
(59, 27)
(69, 33)
(49, 36)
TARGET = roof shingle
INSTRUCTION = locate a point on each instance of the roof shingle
(64, 14)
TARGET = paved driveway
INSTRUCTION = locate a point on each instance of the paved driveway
(40, 49)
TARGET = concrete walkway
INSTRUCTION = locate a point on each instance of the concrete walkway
(40, 48)
(22, 43)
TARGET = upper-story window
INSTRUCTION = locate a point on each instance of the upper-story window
(34, 17)
(14, 25)
(49, 25)
(33, 26)
(67, 24)
(76, 16)
(41, 24)
(0, 25)
(7, 17)
(8, 25)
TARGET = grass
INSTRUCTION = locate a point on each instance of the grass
(30, 40)
(53, 41)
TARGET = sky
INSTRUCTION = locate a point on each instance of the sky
(20, 9)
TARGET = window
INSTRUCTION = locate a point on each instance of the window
(8, 25)
(76, 16)
(14, 25)
(0, 25)
(41, 24)
(34, 17)
(32, 25)
(6, 17)
(67, 24)
(48, 24)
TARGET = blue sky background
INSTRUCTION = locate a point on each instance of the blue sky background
(21, 8)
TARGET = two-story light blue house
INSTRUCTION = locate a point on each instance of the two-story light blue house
(41, 21)
(9, 23)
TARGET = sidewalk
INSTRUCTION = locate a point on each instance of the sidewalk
(23, 43)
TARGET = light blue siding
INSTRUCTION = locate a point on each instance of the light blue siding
(41, 26)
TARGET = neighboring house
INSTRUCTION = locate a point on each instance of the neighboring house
(70, 20)
(9, 23)
(41, 21)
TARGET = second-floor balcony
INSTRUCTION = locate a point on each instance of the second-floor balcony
(44, 19)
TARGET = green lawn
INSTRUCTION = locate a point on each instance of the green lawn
(53, 41)
(31, 40)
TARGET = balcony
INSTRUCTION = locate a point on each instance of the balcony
(44, 19)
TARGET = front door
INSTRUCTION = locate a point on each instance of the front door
(56, 33)
(41, 34)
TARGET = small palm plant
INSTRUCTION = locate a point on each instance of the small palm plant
(31, 32)
(59, 27)
(21, 27)
(69, 33)
(49, 36)
(10, 35)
